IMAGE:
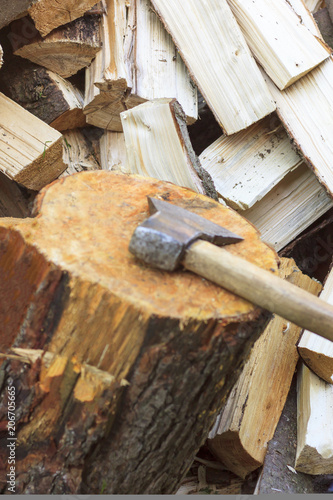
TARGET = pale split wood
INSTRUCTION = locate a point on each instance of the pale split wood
(1, 56)
(31, 150)
(314, 454)
(77, 153)
(314, 5)
(317, 352)
(252, 411)
(113, 151)
(282, 45)
(218, 58)
(158, 145)
(138, 62)
(248, 164)
(49, 14)
(290, 207)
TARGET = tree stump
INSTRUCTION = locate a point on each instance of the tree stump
(118, 369)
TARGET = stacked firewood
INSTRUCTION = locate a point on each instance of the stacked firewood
(230, 99)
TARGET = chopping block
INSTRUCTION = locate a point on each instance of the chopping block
(120, 369)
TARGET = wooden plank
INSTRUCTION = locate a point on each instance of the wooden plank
(138, 62)
(31, 150)
(253, 408)
(317, 352)
(248, 164)
(158, 146)
(290, 207)
(306, 111)
(211, 43)
(314, 454)
(279, 41)
(47, 14)
(64, 51)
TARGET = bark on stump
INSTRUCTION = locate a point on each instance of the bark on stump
(71, 290)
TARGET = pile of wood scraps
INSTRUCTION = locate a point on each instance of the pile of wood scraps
(131, 379)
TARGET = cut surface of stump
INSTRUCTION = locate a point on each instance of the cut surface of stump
(71, 288)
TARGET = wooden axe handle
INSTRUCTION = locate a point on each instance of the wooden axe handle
(260, 287)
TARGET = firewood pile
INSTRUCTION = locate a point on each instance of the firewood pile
(119, 378)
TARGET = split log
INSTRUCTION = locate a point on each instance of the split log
(78, 154)
(1, 56)
(113, 151)
(138, 62)
(64, 51)
(290, 207)
(31, 150)
(46, 95)
(317, 354)
(14, 201)
(314, 454)
(325, 24)
(314, 5)
(47, 14)
(13, 10)
(177, 339)
(210, 42)
(306, 111)
(248, 164)
(278, 473)
(250, 416)
(158, 145)
(281, 44)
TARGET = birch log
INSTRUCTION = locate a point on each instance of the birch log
(252, 411)
(49, 14)
(283, 46)
(31, 150)
(218, 58)
(138, 62)
(158, 146)
(248, 164)
(314, 454)
(317, 352)
(290, 207)
(306, 110)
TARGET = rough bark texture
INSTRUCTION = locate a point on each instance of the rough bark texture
(71, 289)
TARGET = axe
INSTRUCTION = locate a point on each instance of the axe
(173, 236)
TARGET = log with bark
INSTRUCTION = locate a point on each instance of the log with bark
(31, 150)
(46, 95)
(138, 62)
(211, 43)
(252, 411)
(64, 51)
(158, 145)
(71, 289)
(48, 15)
(316, 352)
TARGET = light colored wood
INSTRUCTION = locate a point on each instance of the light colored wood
(290, 207)
(158, 145)
(138, 62)
(314, 5)
(252, 411)
(113, 151)
(213, 48)
(260, 287)
(314, 454)
(1, 56)
(316, 352)
(49, 14)
(306, 111)
(67, 49)
(77, 153)
(282, 45)
(31, 150)
(248, 164)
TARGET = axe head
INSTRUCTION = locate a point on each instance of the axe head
(162, 239)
